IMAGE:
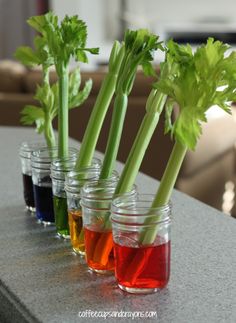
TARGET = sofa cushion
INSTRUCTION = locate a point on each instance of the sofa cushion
(11, 76)
(34, 77)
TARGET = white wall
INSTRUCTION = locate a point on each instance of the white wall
(103, 16)
(93, 13)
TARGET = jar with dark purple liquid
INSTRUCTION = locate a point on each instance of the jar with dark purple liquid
(42, 184)
(26, 149)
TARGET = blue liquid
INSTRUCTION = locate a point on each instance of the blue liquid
(44, 203)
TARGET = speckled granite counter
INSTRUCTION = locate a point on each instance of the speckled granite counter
(42, 281)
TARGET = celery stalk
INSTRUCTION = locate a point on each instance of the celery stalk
(100, 108)
(166, 186)
(63, 131)
(118, 117)
(195, 86)
(139, 48)
(154, 107)
(55, 44)
(49, 133)
(170, 175)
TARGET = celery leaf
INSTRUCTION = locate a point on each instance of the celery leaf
(199, 81)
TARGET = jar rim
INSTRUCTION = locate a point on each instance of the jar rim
(73, 182)
(124, 210)
(46, 155)
(27, 147)
(65, 164)
(91, 189)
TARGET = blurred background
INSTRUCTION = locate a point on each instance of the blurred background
(208, 174)
(192, 21)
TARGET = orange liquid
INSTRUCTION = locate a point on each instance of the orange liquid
(99, 250)
(76, 231)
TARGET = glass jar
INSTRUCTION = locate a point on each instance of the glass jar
(42, 183)
(59, 170)
(26, 149)
(96, 200)
(73, 185)
(141, 236)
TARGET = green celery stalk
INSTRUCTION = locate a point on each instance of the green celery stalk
(56, 45)
(139, 47)
(118, 117)
(63, 122)
(100, 108)
(64, 41)
(170, 175)
(195, 88)
(154, 107)
(166, 187)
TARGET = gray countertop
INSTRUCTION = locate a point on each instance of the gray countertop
(42, 280)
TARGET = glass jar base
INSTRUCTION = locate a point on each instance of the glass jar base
(79, 252)
(101, 271)
(46, 223)
(59, 235)
(31, 209)
(134, 290)
(66, 236)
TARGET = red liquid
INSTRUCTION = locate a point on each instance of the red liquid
(144, 267)
(99, 250)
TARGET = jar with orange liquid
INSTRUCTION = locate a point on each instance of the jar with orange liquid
(96, 198)
(74, 182)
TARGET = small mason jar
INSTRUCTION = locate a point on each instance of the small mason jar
(59, 169)
(141, 236)
(42, 183)
(74, 182)
(96, 198)
(26, 149)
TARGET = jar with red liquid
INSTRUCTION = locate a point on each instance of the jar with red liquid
(74, 181)
(26, 149)
(141, 236)
(96, 198)
(42, 183)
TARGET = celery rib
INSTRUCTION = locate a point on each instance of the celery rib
(63, 131)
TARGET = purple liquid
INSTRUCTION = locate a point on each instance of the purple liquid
(44, 203)
(28, 190)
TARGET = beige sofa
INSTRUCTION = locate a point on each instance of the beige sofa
(204, 172)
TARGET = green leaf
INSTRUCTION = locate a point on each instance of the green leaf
(45, 96)
(148, 69)
(55, 92)
(81, 56)
(74, 82)
(33, 114)
(39, 23)
(140, 46)
(74, 31)
(94, 51)
(43, 52)
(194, 82)
(168, 115)
(78, 100)
(27, 56)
